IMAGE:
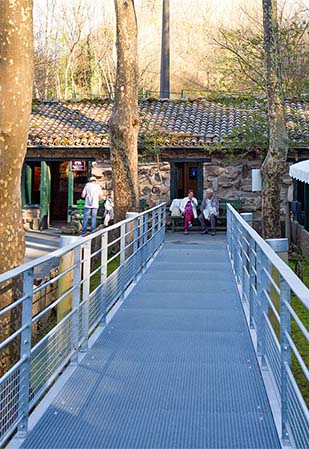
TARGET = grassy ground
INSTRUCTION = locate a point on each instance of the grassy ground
(297, 335)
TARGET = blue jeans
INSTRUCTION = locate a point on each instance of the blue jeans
(93, 213)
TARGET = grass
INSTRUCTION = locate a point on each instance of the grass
(297, 335)
(96, 278)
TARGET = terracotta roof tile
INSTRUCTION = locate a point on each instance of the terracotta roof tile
(177, 122)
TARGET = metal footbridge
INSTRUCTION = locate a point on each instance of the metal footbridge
(168, 342)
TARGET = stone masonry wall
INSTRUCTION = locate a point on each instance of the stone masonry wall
(230, 179)
(154, 182)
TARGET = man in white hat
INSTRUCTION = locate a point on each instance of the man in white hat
(92, 193)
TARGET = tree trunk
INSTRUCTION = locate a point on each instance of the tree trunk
(275, 161)
(124, 122)
(16, 80)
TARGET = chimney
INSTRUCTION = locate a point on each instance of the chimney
(165, 51)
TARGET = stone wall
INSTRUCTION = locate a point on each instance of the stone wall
(31, 217)
(229, 178)
(154, 180)
(232, 179)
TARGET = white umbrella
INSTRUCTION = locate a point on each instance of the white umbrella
(300, 171)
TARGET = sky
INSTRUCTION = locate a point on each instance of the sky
(220, 11)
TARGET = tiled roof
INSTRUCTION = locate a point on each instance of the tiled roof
(181, 123)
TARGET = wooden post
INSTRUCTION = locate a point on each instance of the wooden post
(28, 184)
(66, 281)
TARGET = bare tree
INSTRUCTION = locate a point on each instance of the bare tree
(276, 157)
(124, 122)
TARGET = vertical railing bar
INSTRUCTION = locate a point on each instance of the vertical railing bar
(75, 304)
(136, 248)
(264, 309)
(122, 258)
(104, 266)
(252, 280)
(259, 297)
(243, 265)
(25, 351)
(285, 327)
(85, 296)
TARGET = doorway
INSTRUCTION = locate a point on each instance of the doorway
(185, 176)
(59, 188)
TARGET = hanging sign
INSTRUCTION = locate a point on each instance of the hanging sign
(78, 165)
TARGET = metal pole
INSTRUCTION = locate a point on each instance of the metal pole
(86, 292)
(252, 280)
(285, 328)
(104, 256)
(25, 351)
(75, 305)
(122, 257)
(165, 51)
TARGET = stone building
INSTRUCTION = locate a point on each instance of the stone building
(182, 144)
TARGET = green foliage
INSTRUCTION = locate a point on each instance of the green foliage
(297, 335)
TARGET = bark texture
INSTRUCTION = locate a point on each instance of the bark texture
(16, 78)
(274, 163)
(124, 122)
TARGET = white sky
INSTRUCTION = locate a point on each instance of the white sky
(194, 10)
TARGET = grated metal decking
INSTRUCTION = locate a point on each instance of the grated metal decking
(175, 368)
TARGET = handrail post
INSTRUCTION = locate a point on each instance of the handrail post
(104, 256)
(243, 265)
(144, 239)
(285, 328)
(259, 297)
(136, 247)
(86, 292)
(264, 310)
(75, 304)
(25, 351)
(153, 231)
(164, 223)
(244, 248)
(122, 258)
(252, 280)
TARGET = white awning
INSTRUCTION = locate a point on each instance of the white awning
(300, 171)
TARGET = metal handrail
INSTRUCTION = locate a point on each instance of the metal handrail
(24, 384)
(68, 248)
(274, 346)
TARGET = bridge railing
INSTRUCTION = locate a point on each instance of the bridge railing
(94, 273)
(273, 295)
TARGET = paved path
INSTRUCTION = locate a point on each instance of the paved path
(40, 243)
(175, 368)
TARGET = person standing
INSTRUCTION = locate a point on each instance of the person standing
(209, 212)
(92, 193)
(188, 208)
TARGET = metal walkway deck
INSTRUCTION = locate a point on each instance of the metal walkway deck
(175, 368)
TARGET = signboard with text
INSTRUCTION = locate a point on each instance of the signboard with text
(78, 165)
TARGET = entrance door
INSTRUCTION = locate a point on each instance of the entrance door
(186, 176)
(59, 189)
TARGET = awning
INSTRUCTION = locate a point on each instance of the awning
(300, 171)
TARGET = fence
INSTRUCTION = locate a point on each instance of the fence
(101, 267)
(273, 294)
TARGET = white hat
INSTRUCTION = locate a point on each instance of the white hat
(92, 178)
